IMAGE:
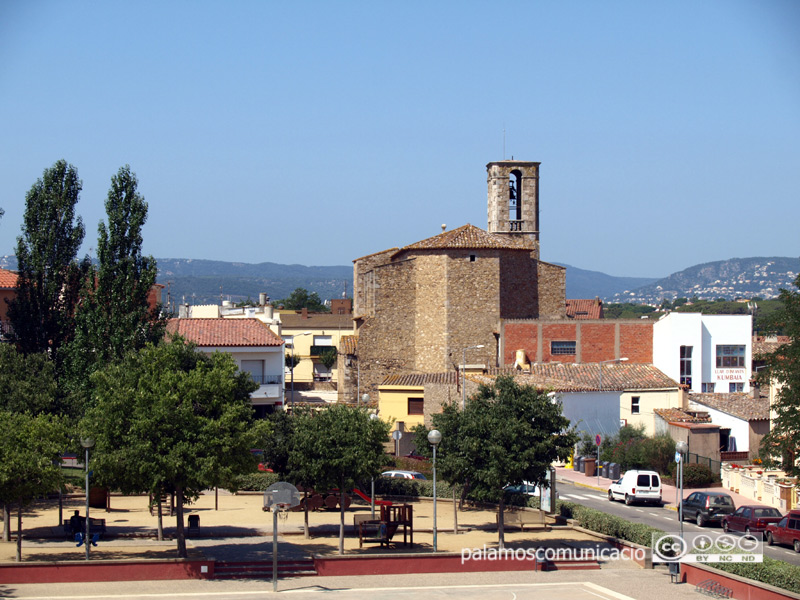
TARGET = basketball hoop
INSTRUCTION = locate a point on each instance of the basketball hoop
(283, 511)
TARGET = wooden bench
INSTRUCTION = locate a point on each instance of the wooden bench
(521, 518)
(95, 526)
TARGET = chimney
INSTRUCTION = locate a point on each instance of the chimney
(304, 313)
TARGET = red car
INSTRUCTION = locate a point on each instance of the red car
(751, 518)
(786, 531)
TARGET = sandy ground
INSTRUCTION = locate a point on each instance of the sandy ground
(234, 527)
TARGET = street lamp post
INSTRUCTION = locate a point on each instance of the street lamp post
(605, 362)
(434, 437)
(373, 417)
(681, 449)
(293, 365)
(463, 374)
(87, 443)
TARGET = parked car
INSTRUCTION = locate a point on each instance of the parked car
(751, 518)
(786, 531)
(707, 507)
(413, 454)
(404, 474)
(636, 486)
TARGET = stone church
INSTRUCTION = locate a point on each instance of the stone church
(425, 307)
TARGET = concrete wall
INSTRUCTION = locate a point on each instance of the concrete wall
(648, 401)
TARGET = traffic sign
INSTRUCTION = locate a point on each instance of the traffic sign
(598, 439)
(397, 434)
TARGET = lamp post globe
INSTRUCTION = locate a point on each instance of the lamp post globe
(434, 437)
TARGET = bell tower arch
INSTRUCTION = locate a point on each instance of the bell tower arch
(514, 200)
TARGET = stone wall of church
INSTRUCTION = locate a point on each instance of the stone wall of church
(519, 289)
(552, 282)
(364, 281)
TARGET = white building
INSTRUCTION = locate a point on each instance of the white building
(708, 353)
(255, 348)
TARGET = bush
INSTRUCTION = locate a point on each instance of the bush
(412, 464)
(412, 488)
(255, 482)
(774, 572)
(694, 475)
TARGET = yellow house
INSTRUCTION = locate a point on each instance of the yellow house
(312, 335)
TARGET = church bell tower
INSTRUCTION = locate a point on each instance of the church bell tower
(514, 200)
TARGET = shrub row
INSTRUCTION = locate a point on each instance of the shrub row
(601, 522)
(774, 572)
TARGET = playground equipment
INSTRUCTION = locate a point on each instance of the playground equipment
(382, 530)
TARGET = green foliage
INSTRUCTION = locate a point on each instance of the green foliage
(255, 482)
(411, 488)
(29, 459)
(277, 446)
(774, 572)
(506, 435)
(782, 444)
(631, 449)
(337, 447)
(300, 298)
(328, 358)
(50, 277)
(171, 419)
(628, 311)
(291, 361)
(694, 475)
(27, 383)
(114, 316)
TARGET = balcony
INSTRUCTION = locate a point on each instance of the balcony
(269, 388)
(319, 350)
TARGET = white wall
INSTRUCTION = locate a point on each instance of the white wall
(592, 412)
(704, 333)
(740, 429)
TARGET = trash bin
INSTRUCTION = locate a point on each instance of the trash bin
(194, 521)
(613, 471)
(589, 466)
(579, 464)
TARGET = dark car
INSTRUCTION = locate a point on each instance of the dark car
(786, 531)
(707, 507)
(751, 519)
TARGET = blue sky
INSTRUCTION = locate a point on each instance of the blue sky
(318, 132)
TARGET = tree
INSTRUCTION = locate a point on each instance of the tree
(30, 463)
(114, 316)
(49, 281)
(782, 444)
(300, 298)
(508, 433)
(169, 419)
(338, 447)
(27, 383)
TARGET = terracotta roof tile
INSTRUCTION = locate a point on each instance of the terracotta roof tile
(348, 344)
(469, 237)
(676, 415)
(568, 377)
(224, 332)
(8, 279)
(585, 309)
(420, 379)
(763, 345)
(738, 404)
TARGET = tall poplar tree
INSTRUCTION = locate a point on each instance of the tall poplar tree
(50, 278)
(114, 315)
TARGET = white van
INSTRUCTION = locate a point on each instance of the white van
(636, 486)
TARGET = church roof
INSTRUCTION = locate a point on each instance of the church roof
(469, 237)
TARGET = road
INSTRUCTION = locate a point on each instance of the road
(663, 518)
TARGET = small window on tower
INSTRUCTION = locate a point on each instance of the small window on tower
(472, 258)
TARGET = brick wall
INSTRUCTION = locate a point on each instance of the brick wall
(596, 340)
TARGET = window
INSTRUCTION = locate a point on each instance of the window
(634, 405)
(562, 348)
(735, 387)
(416, 406)
(323, 340)
(708, 388)
(686, 365)
(472, 258)
(730, 357)
(255, 368)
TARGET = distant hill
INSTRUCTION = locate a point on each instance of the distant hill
(729, 279)
(588, 284)
(209, 281)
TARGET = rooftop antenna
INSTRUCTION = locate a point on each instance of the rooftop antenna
(504, 141)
